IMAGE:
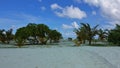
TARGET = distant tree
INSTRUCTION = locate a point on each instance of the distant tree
(114, 35)
(81, 34)
(32, 31)
(42, 33)
(2, 36)
(102, 34)
(9, 35)
(91, 32)
(54, 36)
(69, 39)
(20, 36)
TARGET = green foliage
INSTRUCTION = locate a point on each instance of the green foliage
(86, 32)
(9, 35)
(40, 33)
(2, 36)
(54, 36)
(43, 31)
(102, 34)
(114, 35)
(32, 32)
(20, 36)
(6, 36)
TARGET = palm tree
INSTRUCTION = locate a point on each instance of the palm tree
(91, 32)
(114, 35)
(102, 34)
(81, 34)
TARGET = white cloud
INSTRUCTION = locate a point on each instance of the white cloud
(93, 12)
(69, 12)
(72, 25)
(109, 8)
(68, 29)
(65, 26)
(111, 25)
(55, 6)
(43, 8)
(75, 25)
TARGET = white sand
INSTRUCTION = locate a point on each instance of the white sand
(60, 57)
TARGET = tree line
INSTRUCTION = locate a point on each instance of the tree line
(41, 34)
(86, 32)
(33, 33)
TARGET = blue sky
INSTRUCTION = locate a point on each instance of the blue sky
(63, 15)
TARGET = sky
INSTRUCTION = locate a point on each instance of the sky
(62, 15)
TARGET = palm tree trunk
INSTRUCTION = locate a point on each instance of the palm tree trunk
(90, 40)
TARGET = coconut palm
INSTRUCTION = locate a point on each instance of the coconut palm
(91, 32)
(114, 35)
(102, 34)
(81, 34)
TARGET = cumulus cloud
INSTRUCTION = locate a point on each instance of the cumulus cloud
(75, 25)
(109, 8)
(65, 26)
(70, 26)
(68, 29)
(55, 6)
(69, 12)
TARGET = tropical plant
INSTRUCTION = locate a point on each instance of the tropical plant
(81, 34)
(114, 35)
(42, 33)
(31, 29)
(2, 36)
(102, 34)
(20, 36)
(9, 35)
(54, 36)
(91, 32)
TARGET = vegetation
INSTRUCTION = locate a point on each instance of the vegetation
(41, 34)
(43, 31)
(54, 36)
(86, 33)
(6, 36)
(102, 34)
(21, 35)
(114, 35)
(36, 34)
(2, 36)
